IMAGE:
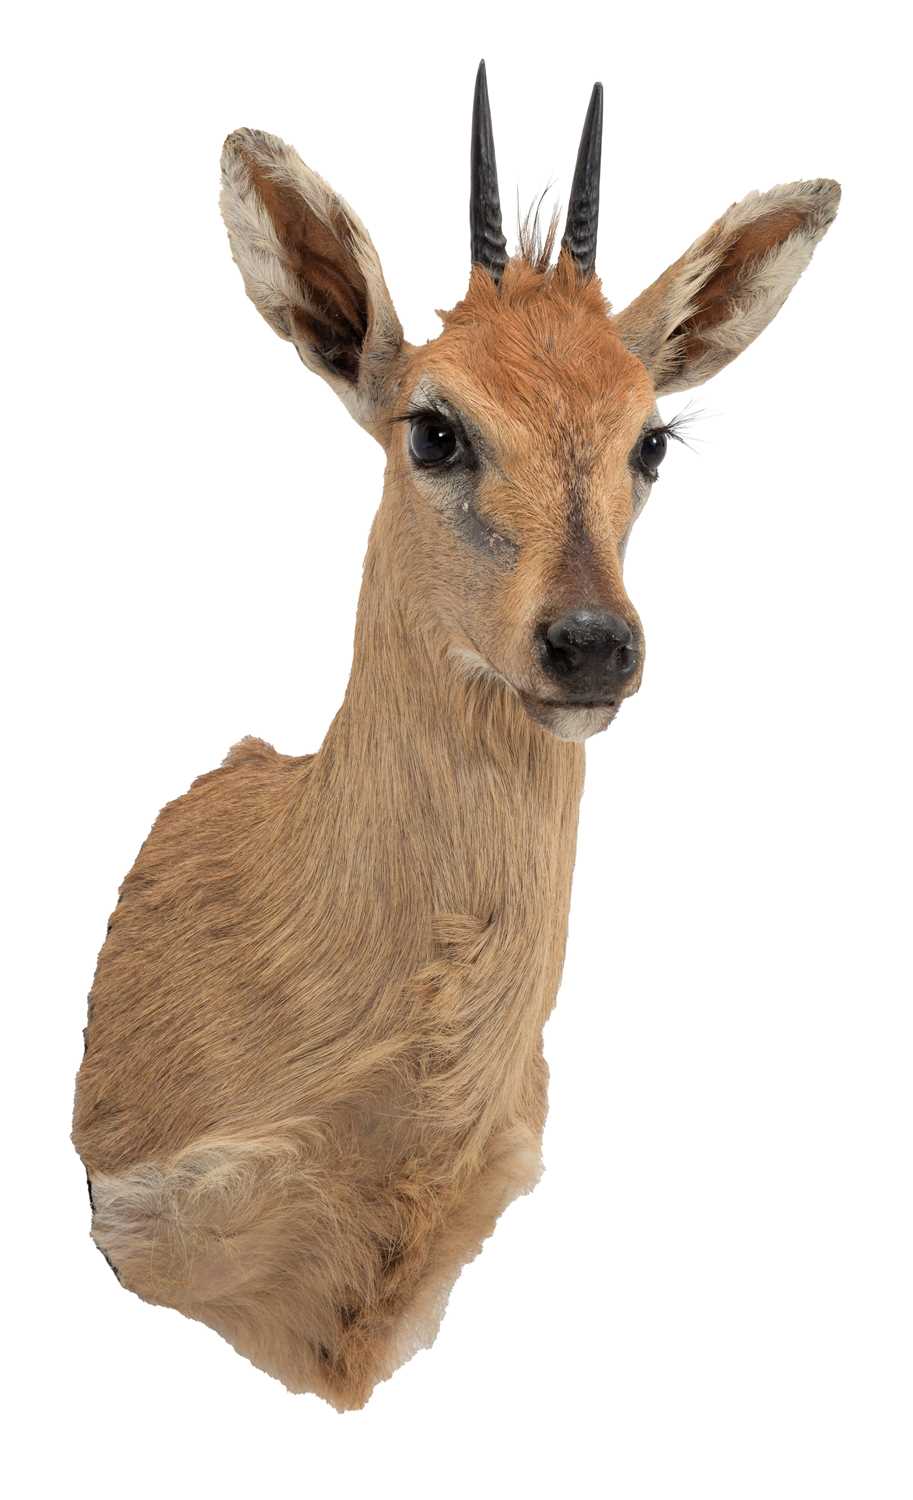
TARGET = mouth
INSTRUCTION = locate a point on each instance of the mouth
(570, 719)
(566, 719)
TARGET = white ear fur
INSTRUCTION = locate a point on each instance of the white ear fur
(710, 305)
(310, 267)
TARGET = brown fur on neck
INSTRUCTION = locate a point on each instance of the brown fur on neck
(334, 1085)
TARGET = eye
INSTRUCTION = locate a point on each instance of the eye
(432, 440)
(653, 447)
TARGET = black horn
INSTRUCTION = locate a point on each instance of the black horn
(583, 208)
(489, 247)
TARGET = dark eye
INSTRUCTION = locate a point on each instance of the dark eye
(432, 440)
(652, 451)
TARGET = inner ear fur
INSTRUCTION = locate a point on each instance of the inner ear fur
(716, 299)
(309, 266)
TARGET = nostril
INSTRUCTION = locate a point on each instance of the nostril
(558, 634)
(625, 660)
(561, 648)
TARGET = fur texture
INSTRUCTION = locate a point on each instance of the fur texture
(314, 1071)
(714, 301)
(308, 266)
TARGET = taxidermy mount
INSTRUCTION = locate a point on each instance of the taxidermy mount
(313, 1074)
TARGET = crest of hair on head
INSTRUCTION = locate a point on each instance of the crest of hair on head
(535, 243)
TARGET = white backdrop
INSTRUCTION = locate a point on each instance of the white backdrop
(709, 1294)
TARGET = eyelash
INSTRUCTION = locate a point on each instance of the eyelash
(674, 430)
(678, 426)
(413, 413)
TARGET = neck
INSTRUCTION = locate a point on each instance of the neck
(456, 801)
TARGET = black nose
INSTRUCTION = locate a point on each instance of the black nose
(590, 652)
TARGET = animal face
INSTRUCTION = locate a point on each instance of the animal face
(527, 443)
(523, 442)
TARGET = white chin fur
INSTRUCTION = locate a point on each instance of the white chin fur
(574, 723)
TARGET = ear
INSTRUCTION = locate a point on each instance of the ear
(311, 269)
(712, 303)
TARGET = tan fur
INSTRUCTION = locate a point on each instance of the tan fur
(314, 1071)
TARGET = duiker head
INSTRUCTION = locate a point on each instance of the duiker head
(523, 442)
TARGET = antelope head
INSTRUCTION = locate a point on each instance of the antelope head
(524, 441)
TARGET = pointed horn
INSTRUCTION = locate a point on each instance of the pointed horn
(583, 207)
(489, 247)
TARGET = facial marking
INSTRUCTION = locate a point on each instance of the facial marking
(575, 462)
(593, 509)
(453, 485)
